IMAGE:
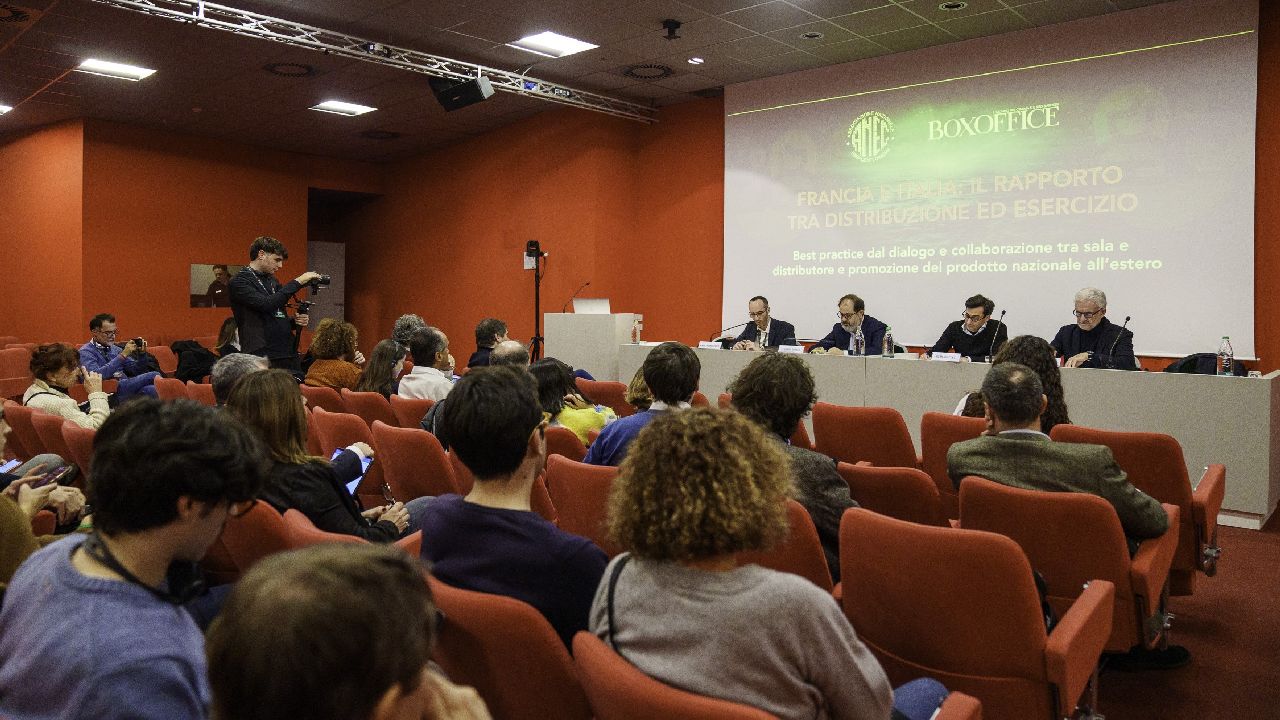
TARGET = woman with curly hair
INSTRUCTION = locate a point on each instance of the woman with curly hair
(1036, 354)
(337, 361)
(697, 488)
(55, 368)
(382, 372)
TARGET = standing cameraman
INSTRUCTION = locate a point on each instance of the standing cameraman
(258, 302)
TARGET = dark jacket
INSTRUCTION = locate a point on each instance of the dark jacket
(825, 495)
(317, 489)
(480, 357)
(781, 332)
(258, 301)
(1071, 340)
(872, 330)
(975, 347)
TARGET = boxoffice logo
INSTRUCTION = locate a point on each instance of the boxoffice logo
(1034, 117)
(870, 135)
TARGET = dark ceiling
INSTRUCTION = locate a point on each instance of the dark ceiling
(213, 83)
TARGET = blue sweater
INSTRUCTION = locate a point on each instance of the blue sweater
(110, 363)
(611, 447)
(72, 646)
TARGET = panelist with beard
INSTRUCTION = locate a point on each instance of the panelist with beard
(853, 315)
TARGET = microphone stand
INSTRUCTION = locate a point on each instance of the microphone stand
(536, 342)
(991, 351)
(1111, 354)
(719, 335)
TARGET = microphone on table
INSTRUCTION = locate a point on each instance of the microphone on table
(573, 296)
(1112, 353)
(719, 335)
(992, 350)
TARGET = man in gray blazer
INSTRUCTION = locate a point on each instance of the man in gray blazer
(1014, 452)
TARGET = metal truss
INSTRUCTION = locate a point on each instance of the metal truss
(243, 22)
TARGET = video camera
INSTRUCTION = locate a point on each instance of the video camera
(321, 282)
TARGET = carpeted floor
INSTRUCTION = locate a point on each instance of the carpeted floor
(1231, 625)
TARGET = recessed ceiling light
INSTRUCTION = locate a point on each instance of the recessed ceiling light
(812, 35)
(954, 5)
(551, 44)
(121, 71)
(4, 109)
(696, 61)
(337, 107)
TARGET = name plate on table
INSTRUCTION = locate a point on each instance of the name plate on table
(947, 357)
(710, 345)
(794, 349)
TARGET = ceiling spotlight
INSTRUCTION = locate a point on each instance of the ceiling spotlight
(696, 61)
(119, 71)
(953, 5)
(671, 26)
(337, 107)
(376, 49)
(4, 109)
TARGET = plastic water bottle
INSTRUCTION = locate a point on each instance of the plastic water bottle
(888, 342)
(635, 331)
(859, 342)
(1226, 357)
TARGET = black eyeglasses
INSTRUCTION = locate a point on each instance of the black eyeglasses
(1086, 315)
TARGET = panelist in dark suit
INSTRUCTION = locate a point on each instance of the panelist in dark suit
(974, 337)
(853, 314)
(1014, 452)
(764, 331)
(1094, 341)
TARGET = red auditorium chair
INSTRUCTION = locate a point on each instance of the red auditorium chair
(461, 474)
(413, 462)
(80, 442)
(29, 347)
(15, 362)
(800, 438)
(800, 553)
(410, 411)
(323, 397)
(580, 493)
(563, 441)
(165, 358)
(49, 428)
(13, 446)
(7, 340)
(902, 493)
(21, 427)
(938, 432)
(170, 389)
(244, 541)
(699, 400)
(201, 393)
(508, 652)
(335, 430)
(1073, 538)
(961, 606)
(607, 392)
(303, 533)
(616, 690)
(853, 434)
(370, 406)
(1155, 465)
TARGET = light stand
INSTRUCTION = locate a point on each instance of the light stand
(534, 256)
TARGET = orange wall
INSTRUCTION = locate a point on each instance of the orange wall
(154, 203)
(40, 230)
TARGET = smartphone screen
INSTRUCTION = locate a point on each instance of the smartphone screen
(10, 465)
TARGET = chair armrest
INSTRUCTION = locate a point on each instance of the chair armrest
(1074, 646)
(411, 543)
(1206, 502)
(1150, 567)
(863, 463)
(959, 706)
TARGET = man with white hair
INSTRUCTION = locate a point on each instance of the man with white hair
(1093, 341)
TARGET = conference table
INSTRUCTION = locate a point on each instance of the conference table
(1229, 420)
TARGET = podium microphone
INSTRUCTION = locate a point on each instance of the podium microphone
(574, 295)
(1112, 353)
(992, 350)
(718, 335)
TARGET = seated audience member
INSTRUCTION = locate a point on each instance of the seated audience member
(777, 392)
(763, 331)
(228, 371)
(509, 352)
(219, 292)
(354, 625)
(671, 372)
(1015, 452)
(637, 393)
(432, 375)
(492, 541)
(271, 404)
(382, 372)
(228, 337)
(489, 332)
(853, 316)
(973, 336)
(1093, 341)
(698, 488)
(56, 368)
(19, 503)
(125, 365)
(406, 325)
(44, 462)
(337, 360)
(1036, 354)
(92, 625)
(560, 399)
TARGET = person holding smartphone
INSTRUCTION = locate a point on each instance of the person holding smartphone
(127, 364)
(56, 367)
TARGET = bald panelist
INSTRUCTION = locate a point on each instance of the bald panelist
(764, 331)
